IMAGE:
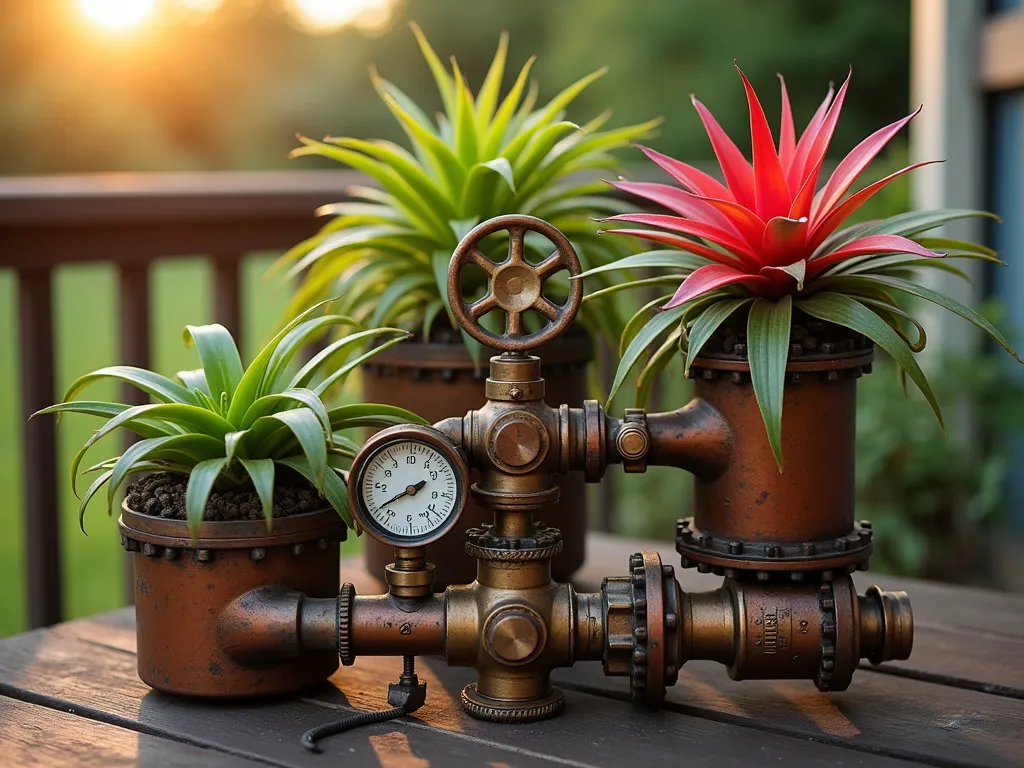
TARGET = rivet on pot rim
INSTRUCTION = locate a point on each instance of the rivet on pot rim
(832, 376)
(735, 547)
(204, 555)
(708, 374)
(842, 545)
(298, 549)
(809, 548)
(730, 573)
(705, 541)
(763, 575)
(796, 575)
(150, 550)
(447, 374)
(703, 568)
(132, 545)
(324, 543)
(796, 377)
(258, 553)
(736, 377)
(170, 553)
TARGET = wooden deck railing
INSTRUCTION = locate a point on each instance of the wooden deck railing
(131, 220)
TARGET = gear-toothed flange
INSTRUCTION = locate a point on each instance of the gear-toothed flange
(642, 622)
(826, 665)
(346, 596)
(484, 708)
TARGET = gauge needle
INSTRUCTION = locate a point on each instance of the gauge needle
(410, 490)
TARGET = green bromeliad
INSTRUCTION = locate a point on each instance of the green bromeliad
(485, 155)
(229, 427)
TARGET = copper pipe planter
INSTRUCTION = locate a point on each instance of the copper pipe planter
(438, 381)
(183, 586)
(752, 517)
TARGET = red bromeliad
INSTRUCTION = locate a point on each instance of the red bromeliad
(768, 241)
(770, 228)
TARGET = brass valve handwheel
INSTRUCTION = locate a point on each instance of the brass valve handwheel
(514, 285)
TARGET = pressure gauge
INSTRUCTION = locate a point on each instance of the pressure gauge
(407, 485)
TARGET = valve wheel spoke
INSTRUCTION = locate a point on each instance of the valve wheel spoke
(514, 323)
(516, 245)
(547, 308)
(550, 266)
(482, 306)
(477, 257)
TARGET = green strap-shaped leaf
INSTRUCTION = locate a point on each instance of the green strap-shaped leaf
(707, 323)
(339, 375)
(190, 417)
(194, 379)
(487, 98)
(371, 415)
(290, 345)
(651, 259)
(261, 472)
(647, 336)
(768, 328)
(312, 439)
(339, 347)
(673, 280)
(248, 387)
(444, 161)
(655, 366)
(843, 310)
(291, 397)
(445, 85)
(465, 119)
(391, 295)
(481, 185)
(948, 302)
(219, 356)
(153, 384)
(430, 313)
(197, 493)
(333, 489)
(106, 410)
(499, 126)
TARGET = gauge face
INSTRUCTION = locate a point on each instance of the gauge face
(409, 485)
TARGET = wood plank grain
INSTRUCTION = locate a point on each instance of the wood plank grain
(34, 735)
(966, 637)
(87, 665)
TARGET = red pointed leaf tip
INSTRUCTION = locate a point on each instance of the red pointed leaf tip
(770, 190)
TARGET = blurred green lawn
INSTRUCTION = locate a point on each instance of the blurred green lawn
(86, 339)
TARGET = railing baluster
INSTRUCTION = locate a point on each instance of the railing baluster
(35, 306)
(227, 294)
(133, 288)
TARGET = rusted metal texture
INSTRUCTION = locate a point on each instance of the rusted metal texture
(437, 381)
(754, 517)
(182, 586)
(515, 285)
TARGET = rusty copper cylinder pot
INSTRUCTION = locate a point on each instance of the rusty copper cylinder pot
(437, 381)
(182, 586)
(753, 516)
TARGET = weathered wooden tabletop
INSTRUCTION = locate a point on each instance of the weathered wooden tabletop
(69, 695)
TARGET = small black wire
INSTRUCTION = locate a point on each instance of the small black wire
(312, 736)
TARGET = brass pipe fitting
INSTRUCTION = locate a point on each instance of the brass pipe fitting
(776, 630)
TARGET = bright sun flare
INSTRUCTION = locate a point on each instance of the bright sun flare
(117, 14)
(329, 15)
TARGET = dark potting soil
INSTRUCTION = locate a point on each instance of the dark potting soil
(808, 338)
(162, 495)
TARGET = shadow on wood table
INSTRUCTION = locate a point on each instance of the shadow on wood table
(69, 695)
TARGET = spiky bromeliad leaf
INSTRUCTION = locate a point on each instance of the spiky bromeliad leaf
(229, 425)
(482, 157)
(768, 327)
(846, 311)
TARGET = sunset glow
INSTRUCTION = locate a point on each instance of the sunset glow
(117, 14)
(324, 16)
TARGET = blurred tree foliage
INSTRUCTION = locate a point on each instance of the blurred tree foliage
(229, 93)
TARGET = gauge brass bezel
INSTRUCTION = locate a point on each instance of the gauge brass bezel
(379, 442)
